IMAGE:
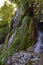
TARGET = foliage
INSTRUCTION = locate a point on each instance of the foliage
(22, 27)
(6, 12)
(21, 39)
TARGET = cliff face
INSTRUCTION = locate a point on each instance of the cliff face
(37, 20)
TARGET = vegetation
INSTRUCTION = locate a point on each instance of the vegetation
(21, 39)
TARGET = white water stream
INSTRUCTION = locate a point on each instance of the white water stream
(39, 45)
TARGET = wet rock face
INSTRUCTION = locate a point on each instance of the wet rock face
(40, 26)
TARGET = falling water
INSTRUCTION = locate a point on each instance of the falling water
(39, 45)
(14, 21)
(11, 38)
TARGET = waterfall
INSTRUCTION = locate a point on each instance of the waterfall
(11, 38)
(39, 45)
(14, 21)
